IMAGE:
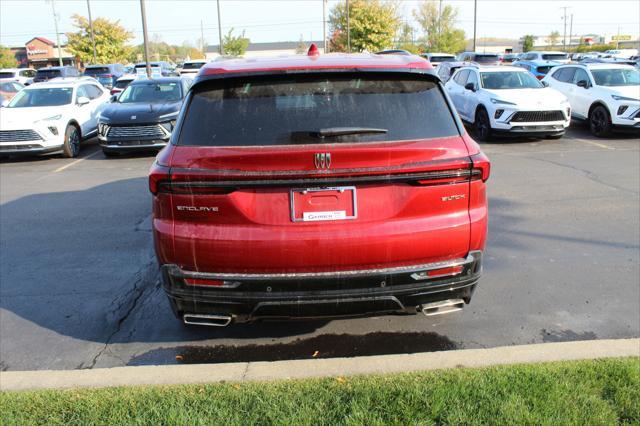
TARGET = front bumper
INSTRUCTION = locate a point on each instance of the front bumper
(38, 140)
(250, 297)
(133, 142)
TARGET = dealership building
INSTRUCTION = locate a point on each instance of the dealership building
(40, 52)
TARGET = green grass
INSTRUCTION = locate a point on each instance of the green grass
(585, 392)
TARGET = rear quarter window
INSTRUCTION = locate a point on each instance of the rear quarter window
(294, 109)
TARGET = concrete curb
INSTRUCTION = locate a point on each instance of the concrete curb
(298, 369)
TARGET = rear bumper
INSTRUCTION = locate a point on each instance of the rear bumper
(251, 297)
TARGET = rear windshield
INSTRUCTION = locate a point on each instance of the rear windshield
(48, 73)
(443, 58)
(6, 75)
(122, 84)
(192, 65)
(545, 69)
(554, 56)
(315, 109)
(96, 71)
(483, 59)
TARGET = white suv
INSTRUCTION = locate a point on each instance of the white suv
(507, 100)
(51, 117)
(546, 56)
(605, 95)
(21, 75)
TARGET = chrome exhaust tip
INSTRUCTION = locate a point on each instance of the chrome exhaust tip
(442, 307)
(210, 320)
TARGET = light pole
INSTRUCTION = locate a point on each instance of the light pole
(570, 30)
(93, 40)
(55, 23)
(475, 21)
(220, 29)
(324, 26)
(348, 30)
(145, 38)
(564, 37)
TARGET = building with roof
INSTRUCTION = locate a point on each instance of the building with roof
(277, 48)
(40, 52)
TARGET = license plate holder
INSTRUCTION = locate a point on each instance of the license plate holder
(323, 204)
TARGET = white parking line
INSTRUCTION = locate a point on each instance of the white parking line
(66, 166)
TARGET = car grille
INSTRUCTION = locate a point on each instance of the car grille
(19, 136)
(154, 131)
(537, 116)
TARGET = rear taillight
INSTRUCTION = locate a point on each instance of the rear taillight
(194, 188)
(481, 168)
(443, 177)
(157, 175)
(106, 75)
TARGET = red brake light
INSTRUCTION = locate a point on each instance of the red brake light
(444, 272)
(157, 174)
(202, 281)
(481, 167)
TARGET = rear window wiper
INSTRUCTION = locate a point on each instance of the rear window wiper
(342, 131)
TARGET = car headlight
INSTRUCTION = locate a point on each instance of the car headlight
(500, 101)
(52, 118)
(170, 115)
(624, 98)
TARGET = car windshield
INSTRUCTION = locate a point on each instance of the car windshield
(443, 58)
(121, 84)
(316, 109)
(616, 77)
(554, 56)
(6, 75)
(483, 59)
(151, 92)
(96, 71)
(192, 65)
(42, 97)
(48, 74)
(509, 80)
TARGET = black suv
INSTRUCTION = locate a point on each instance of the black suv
(45, 74)
(107, 74)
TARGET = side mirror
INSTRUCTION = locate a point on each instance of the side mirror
(470, 86)
(82, 100)
(583, 83)
(113, 98)
(545, 83)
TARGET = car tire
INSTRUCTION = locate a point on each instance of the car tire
(482, 125)
(600, 122)
(71, 145)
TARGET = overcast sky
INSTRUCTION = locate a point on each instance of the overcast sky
(176, 21)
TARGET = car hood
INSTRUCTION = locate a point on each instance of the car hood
(530, 98)
(23, 118)
(118, 113)
(626, 91)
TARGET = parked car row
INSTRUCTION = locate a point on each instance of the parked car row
(508, 100)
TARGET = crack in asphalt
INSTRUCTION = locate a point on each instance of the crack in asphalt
(587, 173)
(139, 291)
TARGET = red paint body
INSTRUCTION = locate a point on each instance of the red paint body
(251, 231)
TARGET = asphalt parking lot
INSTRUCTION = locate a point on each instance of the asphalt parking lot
(79, 286)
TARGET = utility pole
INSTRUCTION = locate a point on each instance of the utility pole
(348, 30)
(55, 22)
(93, 40)
(618, 39)
(145, 38)
(475, 21)
(202, 39)
(439, 23)
(564, 37)
(324, 26)
(570, 30)
(220, 29)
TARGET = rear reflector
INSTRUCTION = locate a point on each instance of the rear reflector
(201, 281)
(447, 271)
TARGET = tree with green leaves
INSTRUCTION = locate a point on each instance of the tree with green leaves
(527, 43)
(301, 48)
(111, 41)
(553, 38)
(7, 58)
(234, 45)
(440, 35)
(372, 25)
(406, 39)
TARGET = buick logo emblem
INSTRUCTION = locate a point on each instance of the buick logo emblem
(322, 160)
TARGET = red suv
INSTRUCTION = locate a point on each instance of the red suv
(318, 186)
